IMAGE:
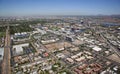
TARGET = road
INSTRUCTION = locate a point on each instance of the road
(111, 46)
(6, 69)
(107, 41)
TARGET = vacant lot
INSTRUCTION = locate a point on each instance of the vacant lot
(114, 57)
(55, 46)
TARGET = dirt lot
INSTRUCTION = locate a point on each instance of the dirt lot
(58, 45)
(114, 57)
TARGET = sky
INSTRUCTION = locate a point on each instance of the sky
(59, 7)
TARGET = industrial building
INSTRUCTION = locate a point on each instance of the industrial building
(18, 49)
(1, 53)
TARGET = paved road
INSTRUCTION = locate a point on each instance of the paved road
(111, 46)
(6, 59)
(107, 41)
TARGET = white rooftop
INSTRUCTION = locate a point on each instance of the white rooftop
(1, 53)
(96, 48)
(19, 48)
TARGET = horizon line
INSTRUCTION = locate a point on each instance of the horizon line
(59, 15)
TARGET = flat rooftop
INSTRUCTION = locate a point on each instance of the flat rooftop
(1, 53)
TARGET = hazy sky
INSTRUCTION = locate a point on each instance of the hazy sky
(58, 7)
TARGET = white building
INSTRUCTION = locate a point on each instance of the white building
(19, 48)
(60, 55)
(41, 31)
(70, 60)
(80, 59)
(1, 53)
(96, 48)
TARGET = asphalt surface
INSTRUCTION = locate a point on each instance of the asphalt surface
(6, 69)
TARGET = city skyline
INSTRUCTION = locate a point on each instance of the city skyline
(59, 7)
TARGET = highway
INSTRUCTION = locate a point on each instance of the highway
(6, 69)
(107, 41)
(111, 46)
